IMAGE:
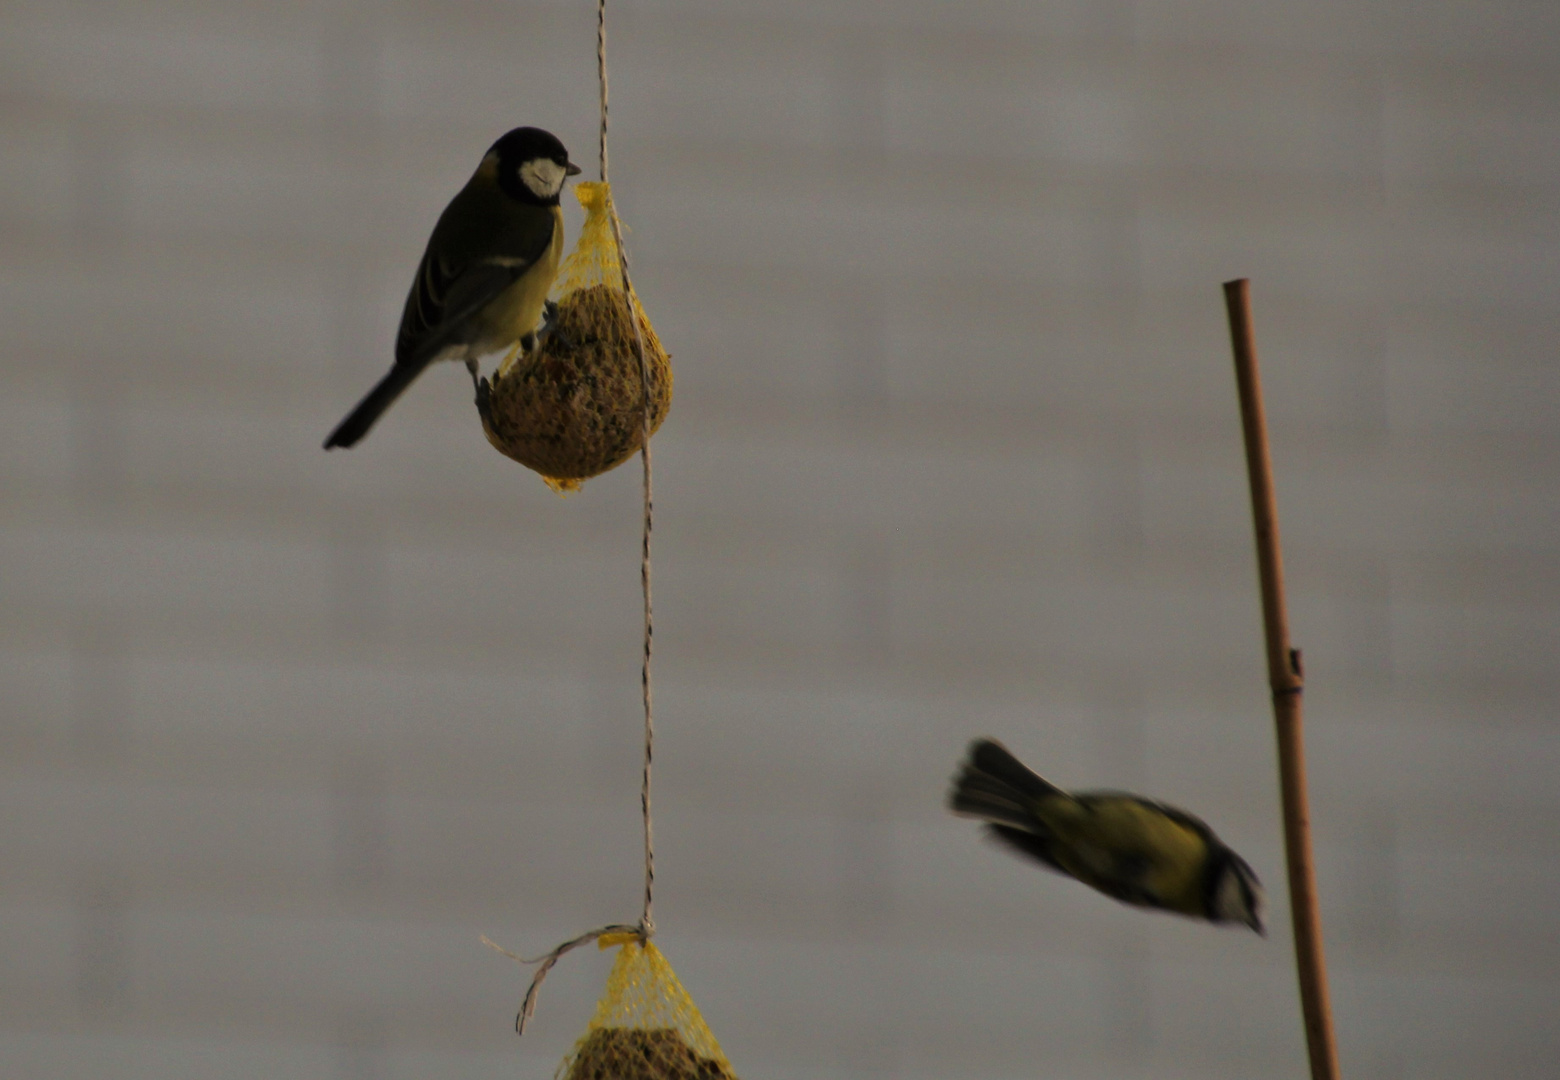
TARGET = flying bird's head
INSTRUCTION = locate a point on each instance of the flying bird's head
(1237, 894)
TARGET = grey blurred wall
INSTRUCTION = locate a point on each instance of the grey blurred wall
(954, 451)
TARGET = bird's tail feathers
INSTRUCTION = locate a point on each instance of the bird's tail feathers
(977, 795)
(374, 403)
(995, 760)
(996, 786)
(1035, 845)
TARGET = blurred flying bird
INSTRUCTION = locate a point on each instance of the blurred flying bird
(1136, 850)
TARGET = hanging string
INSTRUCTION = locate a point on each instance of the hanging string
(601, 72)
(646, 928)
(646, 922)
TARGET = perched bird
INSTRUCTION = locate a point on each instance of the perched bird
(1133, 849)
(483, 282)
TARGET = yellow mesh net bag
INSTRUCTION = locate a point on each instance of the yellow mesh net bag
(646, 1026)
(574, 407)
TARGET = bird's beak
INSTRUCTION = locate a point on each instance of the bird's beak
(571, 169)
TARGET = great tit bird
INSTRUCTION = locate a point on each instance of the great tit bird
(1133, 849)
(483, 282)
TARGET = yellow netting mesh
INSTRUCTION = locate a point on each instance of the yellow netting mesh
(646, 1026)
(573, 408)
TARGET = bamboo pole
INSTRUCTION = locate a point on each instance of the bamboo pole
(1286, 680)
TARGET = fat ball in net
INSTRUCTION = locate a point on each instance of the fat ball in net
(573, 407)
(646, 1026)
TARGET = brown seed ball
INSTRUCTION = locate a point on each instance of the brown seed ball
(573, 408)
(641, 1054)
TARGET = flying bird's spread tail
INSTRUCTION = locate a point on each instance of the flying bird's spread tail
(996, 786)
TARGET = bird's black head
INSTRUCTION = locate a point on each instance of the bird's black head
(532, 165)
(1236, 894)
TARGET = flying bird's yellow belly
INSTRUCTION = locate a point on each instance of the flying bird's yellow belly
(1125, 842)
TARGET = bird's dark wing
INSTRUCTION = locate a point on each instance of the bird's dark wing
(1025, 843)
(441, 303)
(1124, 885)
(424, 308)
(449, 290)
(1128, 880)
(477, 290)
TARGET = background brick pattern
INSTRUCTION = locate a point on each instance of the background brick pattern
(954, 452)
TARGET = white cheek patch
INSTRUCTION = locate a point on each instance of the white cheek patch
(543, 176)
(1230, 902)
